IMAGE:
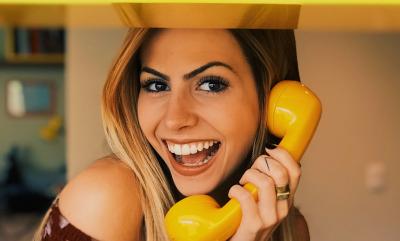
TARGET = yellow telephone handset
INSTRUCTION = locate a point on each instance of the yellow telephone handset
(293, 114)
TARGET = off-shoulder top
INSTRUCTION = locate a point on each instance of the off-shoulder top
(58, 228)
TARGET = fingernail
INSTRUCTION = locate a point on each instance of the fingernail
(270, 146)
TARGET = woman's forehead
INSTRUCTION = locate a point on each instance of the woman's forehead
(197, 45)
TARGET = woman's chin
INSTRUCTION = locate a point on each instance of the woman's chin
(195, 188)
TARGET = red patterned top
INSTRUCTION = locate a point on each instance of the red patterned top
(58, 228)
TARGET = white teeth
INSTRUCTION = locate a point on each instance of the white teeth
(200, 146)
(185, 149)
(193, 148)
(177, 149)
(189, 148)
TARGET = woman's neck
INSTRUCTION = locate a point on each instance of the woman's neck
(220, 193)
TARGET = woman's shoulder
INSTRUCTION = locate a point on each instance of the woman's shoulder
(103, 201)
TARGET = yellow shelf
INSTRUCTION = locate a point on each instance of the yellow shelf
(340, 15)
(290, 16)
(32, 15)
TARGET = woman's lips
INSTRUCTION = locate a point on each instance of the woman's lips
(190, 171)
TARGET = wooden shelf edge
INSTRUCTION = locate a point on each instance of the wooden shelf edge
(5, 64)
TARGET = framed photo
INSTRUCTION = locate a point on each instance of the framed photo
(30, 98)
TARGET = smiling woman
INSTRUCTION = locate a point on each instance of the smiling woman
(207, 94)
(184, 113)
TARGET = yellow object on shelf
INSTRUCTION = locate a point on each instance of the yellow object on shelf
(52, 129)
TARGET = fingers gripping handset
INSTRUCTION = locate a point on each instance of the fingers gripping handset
(293, 115)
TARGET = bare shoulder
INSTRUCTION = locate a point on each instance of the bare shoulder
(103, 201)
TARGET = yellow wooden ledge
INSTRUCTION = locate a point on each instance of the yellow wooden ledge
(341, 15)
(172, 15)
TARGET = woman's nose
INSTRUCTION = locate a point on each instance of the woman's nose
(180, 112)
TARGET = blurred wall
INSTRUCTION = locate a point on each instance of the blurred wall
(357, 78)
(90, 54)
(37, 155)
(24, 132)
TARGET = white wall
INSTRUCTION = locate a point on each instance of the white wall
(89, 58)
(357, 78)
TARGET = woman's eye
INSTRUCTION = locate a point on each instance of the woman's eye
(213, 84)
(155, 86)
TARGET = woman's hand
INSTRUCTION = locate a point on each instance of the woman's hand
(259, 219)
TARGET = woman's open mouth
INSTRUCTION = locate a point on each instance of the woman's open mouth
(192, 158)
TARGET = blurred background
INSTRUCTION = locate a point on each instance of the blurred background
(54, 60)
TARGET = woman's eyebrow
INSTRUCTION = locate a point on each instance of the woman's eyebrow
(154, 72)
(190, 74)
(204, 67)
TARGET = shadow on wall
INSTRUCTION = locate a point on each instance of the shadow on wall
(26, 189)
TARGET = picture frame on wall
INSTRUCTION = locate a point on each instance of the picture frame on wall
(26, 98)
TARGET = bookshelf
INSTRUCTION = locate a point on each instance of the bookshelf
(34, 45)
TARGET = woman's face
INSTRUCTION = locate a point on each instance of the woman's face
(197, 105)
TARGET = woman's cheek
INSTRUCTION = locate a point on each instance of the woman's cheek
(146, 117)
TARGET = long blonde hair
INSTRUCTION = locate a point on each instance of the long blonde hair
(272, 57)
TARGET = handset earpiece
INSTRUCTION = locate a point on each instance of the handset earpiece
(293, 115)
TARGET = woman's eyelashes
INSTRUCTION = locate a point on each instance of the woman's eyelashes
(211, 84)
(154, 85)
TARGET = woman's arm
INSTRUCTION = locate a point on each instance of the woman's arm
(103, 201)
